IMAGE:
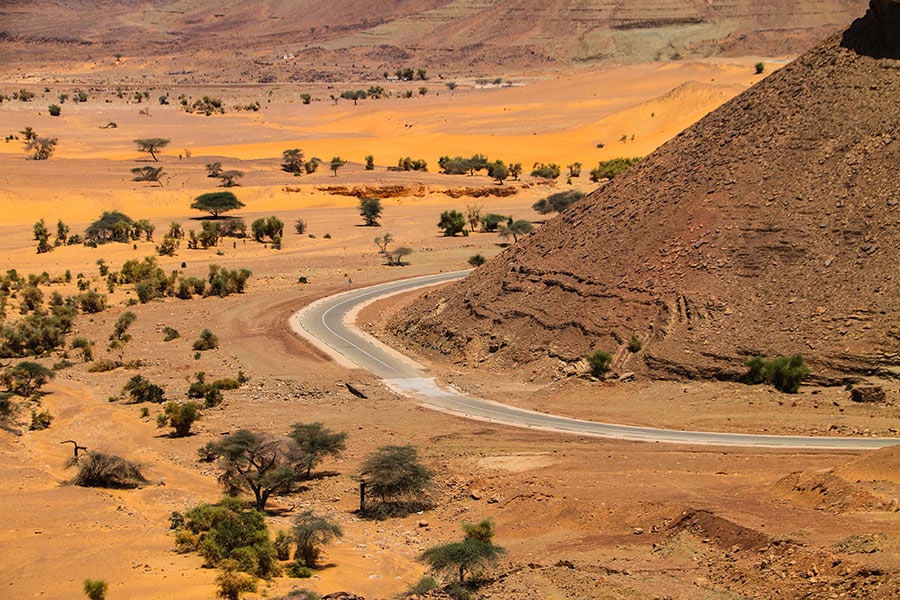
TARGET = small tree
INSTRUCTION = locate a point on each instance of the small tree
(760, 67)
(180, 416)
(41, 148)
(260, 462)
(95, 589)
(152, 146)
(477, 549)
(370, 163)
(300, 226)
(54, 110)
(229, 178)
(473, 215)
(500, 172)
(370, 211)
(217, 202)
(148, 173)
(516, 229)
(610, 169)
(337, 163)
(311, 532)
(557, 202)
(213, 169)
(26, 378)
(315, 442)
(452, 222)
(232, 583)
(395, 476)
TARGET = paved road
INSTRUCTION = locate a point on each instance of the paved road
(328, 324)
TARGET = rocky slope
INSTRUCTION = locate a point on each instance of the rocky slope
(770, 227)
(278, 40)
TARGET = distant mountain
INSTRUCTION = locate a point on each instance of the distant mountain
(772, 226)
(288, 40)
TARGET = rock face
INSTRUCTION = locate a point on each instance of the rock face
(770, 227)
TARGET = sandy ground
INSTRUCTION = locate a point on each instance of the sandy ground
(589, 496)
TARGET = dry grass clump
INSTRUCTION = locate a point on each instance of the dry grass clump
(108, 471)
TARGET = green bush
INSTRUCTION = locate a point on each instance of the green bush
(95, 589)
(40, 420)
(599, 362)
(139, 389)
(54, 110)
(610, 169)
(299, 571)
(206, 341)
(783, 373)
(635, 344)
(476, 260)
(228, 530)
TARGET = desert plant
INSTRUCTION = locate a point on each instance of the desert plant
(516, 229)
(610, 169)
(300, 226)
(311, 532)
(557, 202)
(170, 333)
(475, 550)
(635, 344)
(140, 389)
(26, 378)
(95, 589)
(476, 260)
(394, 475)
(108, 471)
(551, 171)
(599, 362)
(180, 416)
(452, 222)
(783, 373)
(206, 341)
(152, 146)
(370, 210)
(216, 202)
(315, 442)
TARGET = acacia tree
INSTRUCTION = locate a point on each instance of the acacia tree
(557, 202)
(41, 147)
(394, 475)
(216, 202)
(229, 178)
(26, 378)
(336, 163)
(152, 146)
(293, 160)
(473, 215)
(263, 463)
(315, 442)
(370, 211)
(310, 532)
(148, 173)
(516, 229)
(477, 549)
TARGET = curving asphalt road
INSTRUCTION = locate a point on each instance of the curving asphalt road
(328, 324)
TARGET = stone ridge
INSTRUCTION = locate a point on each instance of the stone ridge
(772, 226)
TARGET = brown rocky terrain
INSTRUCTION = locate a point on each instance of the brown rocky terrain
(769, 227)
(188, 42)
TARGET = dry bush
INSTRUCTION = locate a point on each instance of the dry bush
(108, 471)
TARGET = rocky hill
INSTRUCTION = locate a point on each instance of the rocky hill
(770, 227)
(284, 41)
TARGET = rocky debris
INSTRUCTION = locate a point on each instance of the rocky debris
(868, 393)
(770, 227)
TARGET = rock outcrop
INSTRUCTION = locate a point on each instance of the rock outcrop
(770, 227)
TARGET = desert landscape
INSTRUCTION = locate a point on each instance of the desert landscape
(661, 253)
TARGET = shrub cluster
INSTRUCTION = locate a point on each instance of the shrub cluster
(783, 373)
(610, 169)
(228, 530)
